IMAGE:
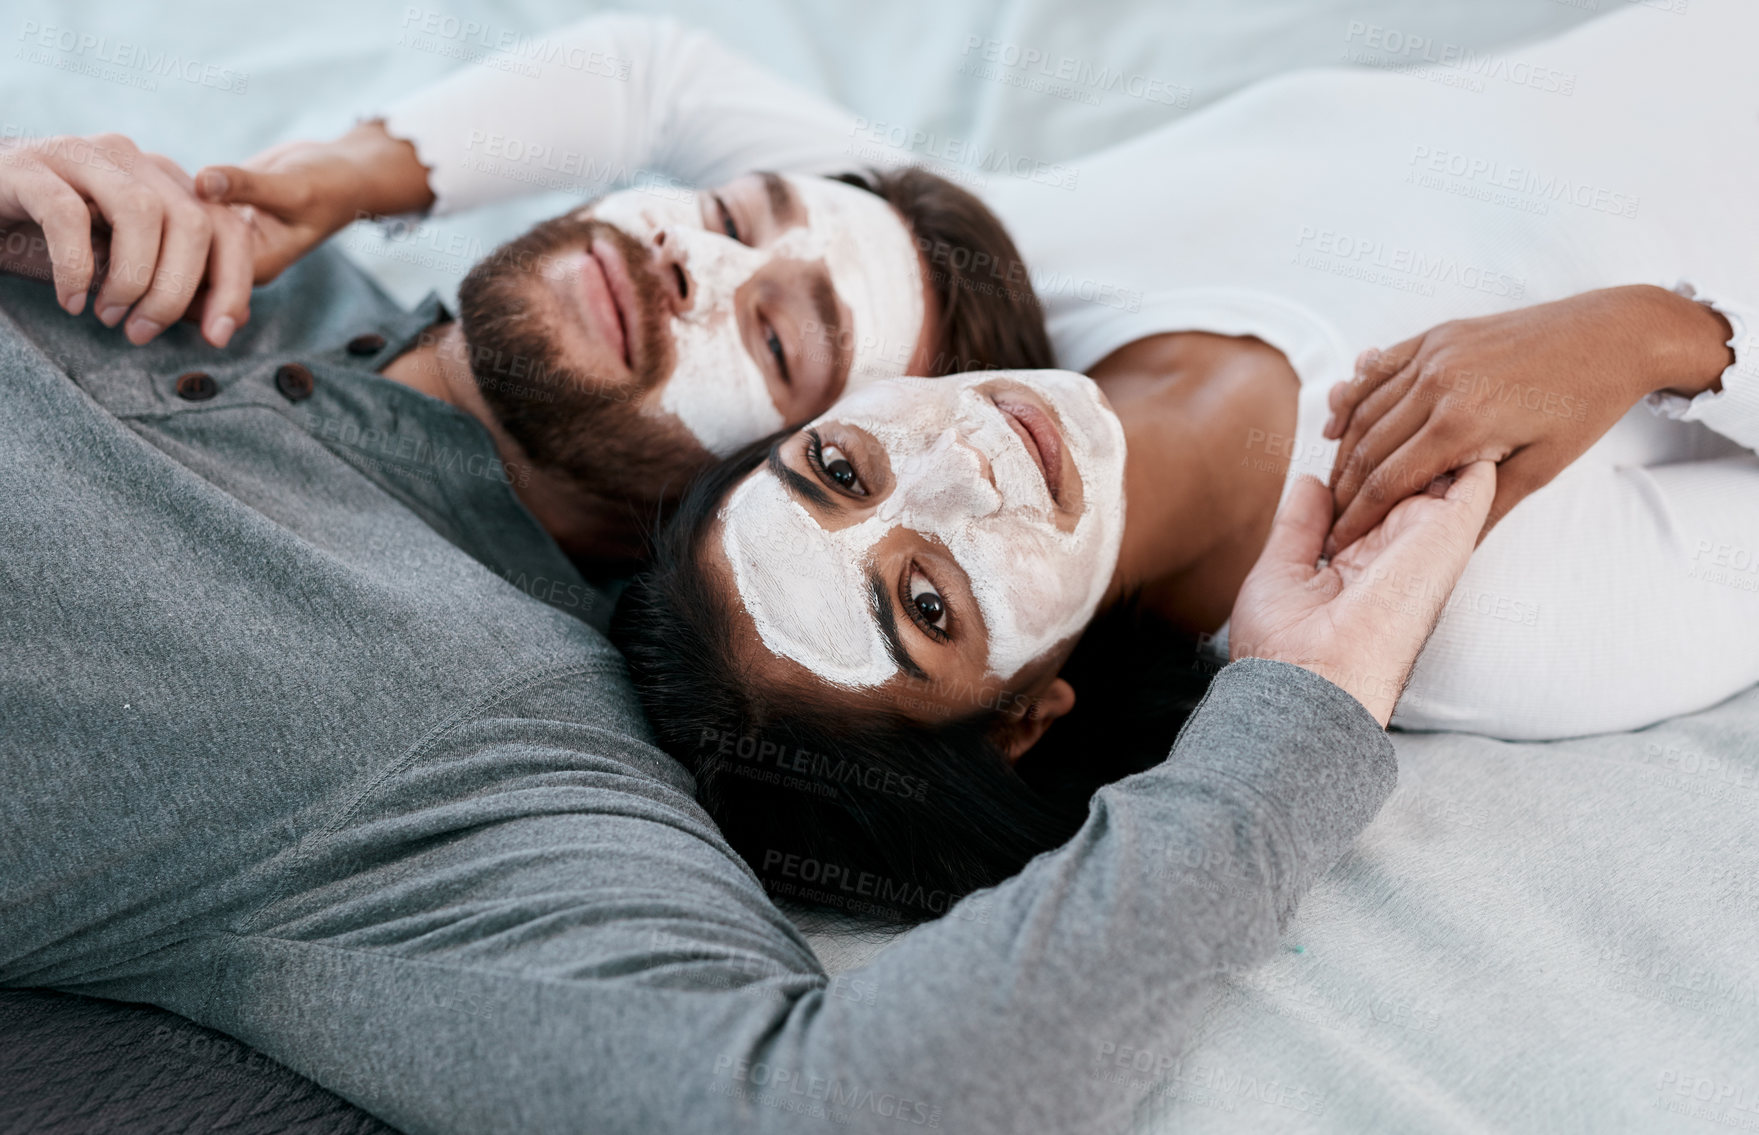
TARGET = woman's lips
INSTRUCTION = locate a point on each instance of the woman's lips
(1041, 438)
(601, 301)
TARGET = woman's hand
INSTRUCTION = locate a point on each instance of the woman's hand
(1359, 621)
(1530, 389)
(65, 202)
(297, 195)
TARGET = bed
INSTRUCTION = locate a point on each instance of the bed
(1530, 937)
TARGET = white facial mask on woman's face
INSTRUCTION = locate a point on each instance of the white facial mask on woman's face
(716, 388)
(806, 587)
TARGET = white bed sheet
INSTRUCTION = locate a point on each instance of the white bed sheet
(1547, 938)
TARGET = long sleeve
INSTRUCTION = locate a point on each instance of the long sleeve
(614, 101)
(561, 959)
(1732, 411)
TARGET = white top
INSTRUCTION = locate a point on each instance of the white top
(617, 101)
(1324, 212)
(1330, 211)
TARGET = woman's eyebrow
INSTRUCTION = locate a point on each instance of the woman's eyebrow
(888, 625)
(797, 483)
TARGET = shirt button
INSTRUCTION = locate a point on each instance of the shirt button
(370, 344)
(196, 386)
(294, 382)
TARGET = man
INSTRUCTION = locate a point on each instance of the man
(611, 352)
(287, 761)
(287, 755)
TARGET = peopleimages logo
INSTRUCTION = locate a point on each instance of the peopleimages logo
(1737, 1098)
(831, 882)
(832, 1097)
(818, 767)
(118, 60)
(475, 41)
(960, 153)
(1473, 175)
(1407, 52)
(1355, 256)
(1064, 76)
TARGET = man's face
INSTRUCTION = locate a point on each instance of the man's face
(693, 321)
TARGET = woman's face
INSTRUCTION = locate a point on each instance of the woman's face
(931, 542)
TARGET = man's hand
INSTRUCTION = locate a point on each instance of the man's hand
(66, 201)
(1361, 620)
(296, 195)
(1530, 389)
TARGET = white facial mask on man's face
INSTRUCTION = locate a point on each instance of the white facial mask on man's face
(716, 388)
(1035, 585)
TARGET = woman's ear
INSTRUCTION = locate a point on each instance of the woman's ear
(1023, 732)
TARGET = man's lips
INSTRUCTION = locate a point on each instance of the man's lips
(1042, 440)
(600, 300)
(610, 256)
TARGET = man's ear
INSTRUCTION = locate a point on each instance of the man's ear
(1018, 735)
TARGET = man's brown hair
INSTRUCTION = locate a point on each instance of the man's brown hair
(990, 318)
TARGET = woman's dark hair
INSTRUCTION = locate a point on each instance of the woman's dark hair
(867, 810)
(990, 318)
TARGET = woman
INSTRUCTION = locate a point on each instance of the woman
(1312, 213)
(873, 640)
(821, 698)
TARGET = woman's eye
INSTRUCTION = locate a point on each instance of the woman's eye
(838, 468)
(833, 465)
(931, 609)
(728, 225)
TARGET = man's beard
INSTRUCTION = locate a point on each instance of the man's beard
(589, 428)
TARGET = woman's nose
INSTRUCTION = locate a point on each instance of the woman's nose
(955, 454)
(671, 265)
(950, 477)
